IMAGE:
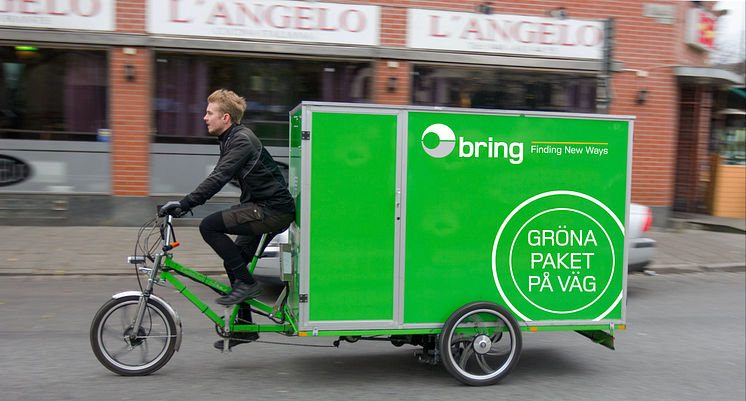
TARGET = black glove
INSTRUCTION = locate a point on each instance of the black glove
(173, 208)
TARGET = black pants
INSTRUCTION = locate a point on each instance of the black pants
(248, 221)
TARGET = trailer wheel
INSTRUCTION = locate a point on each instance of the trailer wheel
(480, 343)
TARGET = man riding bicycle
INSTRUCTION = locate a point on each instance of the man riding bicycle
(266, 205)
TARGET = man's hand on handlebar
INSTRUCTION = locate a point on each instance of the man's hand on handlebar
(173, 208)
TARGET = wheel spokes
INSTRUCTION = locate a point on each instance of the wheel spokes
(499, 330)
(108, 332)
(121, 351)
(126, 319)
(466, 353)
(143, 352)
(483, 364)
(463, 343)
(126, 354)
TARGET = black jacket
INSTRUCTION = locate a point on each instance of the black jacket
(244, 158)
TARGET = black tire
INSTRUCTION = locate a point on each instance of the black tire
(150, 351)
(480, 343)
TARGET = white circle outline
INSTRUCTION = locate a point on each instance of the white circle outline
(613, 260)
(516, 210)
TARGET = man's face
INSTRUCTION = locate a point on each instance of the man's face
(216, 121)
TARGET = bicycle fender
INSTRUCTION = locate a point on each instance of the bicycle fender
(164, 304)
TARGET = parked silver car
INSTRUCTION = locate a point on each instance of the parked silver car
(641, 249)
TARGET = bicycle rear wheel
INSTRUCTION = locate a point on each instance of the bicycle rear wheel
(480, 343)
(114, 347)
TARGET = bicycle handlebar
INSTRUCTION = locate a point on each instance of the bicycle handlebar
(177, 212)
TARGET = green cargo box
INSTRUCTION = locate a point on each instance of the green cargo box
(408, 213)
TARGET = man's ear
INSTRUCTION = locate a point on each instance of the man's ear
(226, 117)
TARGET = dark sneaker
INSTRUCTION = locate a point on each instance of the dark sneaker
(238, 339)
(241, 292)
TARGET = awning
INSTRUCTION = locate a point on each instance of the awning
(708, 76)
(732, 112)
(738, 91)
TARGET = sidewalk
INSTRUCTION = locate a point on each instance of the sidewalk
(700, 243)
(103, 250)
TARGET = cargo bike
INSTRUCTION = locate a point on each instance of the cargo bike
(453, 230)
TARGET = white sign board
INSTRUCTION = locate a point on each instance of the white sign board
(95, 15)
(504, 34)
(295, 21)
(700, 29)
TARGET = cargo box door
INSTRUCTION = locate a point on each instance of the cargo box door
(351, 214)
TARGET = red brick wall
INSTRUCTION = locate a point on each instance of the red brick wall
(647, 46)
(130, 106)
(130, 115)
(393, 26)
(131, 16)
(388, 91)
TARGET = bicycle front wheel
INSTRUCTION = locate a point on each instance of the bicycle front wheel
(127, 355)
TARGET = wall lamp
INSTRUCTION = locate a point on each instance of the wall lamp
(485, 8)
(129, 72)
(642, 96)
(559, 13)
(392, 85)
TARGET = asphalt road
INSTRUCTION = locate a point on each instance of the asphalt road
(685, 341)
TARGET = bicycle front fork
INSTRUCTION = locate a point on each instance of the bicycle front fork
(143, 304)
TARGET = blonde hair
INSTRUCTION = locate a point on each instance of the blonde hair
(229, 102)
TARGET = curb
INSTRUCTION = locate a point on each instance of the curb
(725, 267)
(694, 268)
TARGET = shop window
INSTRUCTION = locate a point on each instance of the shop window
(728, 135)
(52, 94)
(500, 89)
(272, 88)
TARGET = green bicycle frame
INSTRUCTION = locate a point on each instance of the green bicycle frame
(283, 313)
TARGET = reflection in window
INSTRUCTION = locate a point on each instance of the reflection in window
(52, 94)
(499, 89)
(728, 128)
(271, 87)
(729, 141)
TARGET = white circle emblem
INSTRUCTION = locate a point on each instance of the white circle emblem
(447, 140)
(619, 225)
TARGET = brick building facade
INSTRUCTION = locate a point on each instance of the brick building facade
(656, 76)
